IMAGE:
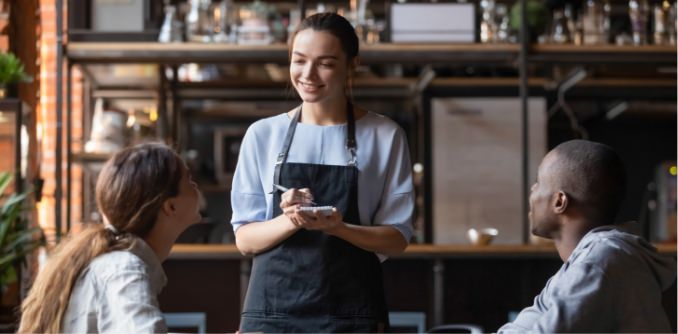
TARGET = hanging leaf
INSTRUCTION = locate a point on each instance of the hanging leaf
(12, 70)
(5, 180)
(8, 276)
(17, 238)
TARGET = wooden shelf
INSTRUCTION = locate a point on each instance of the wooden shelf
(603, 54)
(438, 53)
(138, 93)
(630, 83)
(173, 53)
(414, 251)
(84, 157)
(238, 90)
(178, 53)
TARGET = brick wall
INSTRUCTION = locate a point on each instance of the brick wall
(47, 124)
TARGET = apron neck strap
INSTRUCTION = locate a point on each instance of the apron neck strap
(351, 144)
(350, 140)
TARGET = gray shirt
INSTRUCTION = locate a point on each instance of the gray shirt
(117, 293)
(612, 282)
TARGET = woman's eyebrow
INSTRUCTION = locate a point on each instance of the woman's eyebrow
(321, 57)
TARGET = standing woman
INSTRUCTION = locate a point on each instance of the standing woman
(107, 277)
(312, 272)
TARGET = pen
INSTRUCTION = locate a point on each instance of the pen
(283, 189)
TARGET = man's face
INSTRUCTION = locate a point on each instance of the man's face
(543, 221)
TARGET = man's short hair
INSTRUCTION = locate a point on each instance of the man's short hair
(593, 174)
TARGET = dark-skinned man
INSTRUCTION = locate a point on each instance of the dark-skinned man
(611, 279)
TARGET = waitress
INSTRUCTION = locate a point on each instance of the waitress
(314, 272)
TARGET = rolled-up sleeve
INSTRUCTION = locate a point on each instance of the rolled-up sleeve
(248, 199)
(396, 206)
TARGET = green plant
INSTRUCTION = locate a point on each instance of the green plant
(17, 238)
(538, 17)
(12, 70)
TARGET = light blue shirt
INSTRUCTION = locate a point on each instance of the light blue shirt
(385, 191)
(117, 293)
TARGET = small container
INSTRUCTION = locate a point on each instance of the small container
(481, 237)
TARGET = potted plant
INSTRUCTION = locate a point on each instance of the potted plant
(11, 71)
(17, 241)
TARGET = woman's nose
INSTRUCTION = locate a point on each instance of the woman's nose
(309, 70)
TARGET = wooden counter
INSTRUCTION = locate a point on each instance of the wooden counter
(423, 251)
(439, 280)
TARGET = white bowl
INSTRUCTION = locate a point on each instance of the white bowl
(481, 237)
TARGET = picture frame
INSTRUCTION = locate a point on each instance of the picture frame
(227, 142)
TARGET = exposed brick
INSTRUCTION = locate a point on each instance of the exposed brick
(46, 114)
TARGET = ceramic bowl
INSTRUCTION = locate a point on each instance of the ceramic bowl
(481, 237)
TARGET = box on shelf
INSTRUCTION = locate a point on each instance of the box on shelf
(114, 20)
(432, 22)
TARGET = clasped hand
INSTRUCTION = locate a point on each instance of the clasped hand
(293, 199)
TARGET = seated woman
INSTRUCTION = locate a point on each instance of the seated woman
(107, 277)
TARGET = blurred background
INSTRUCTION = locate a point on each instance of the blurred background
(480, 104)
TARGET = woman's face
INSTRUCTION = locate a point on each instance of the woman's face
(318, 68)
(187, 202)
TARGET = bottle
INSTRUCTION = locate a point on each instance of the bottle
(488, 26)
(199, 25)
(638, 14)
(673, 24)
(502, 19)
(573, 25)
(607, 22)
(660, 29)
(222, 14)
(171, 28)
(560, 33)
(593, 22)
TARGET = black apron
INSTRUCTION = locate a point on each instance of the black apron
(314, 282)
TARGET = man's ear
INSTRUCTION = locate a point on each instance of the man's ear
(168, 207)
(560, 202)
(354, 63)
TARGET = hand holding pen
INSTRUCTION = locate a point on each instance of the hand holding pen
(294, 196)
(292, 203)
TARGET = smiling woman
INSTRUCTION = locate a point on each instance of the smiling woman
(320, 70)
(319, 270)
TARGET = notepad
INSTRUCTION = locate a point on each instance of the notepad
(325, 210)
